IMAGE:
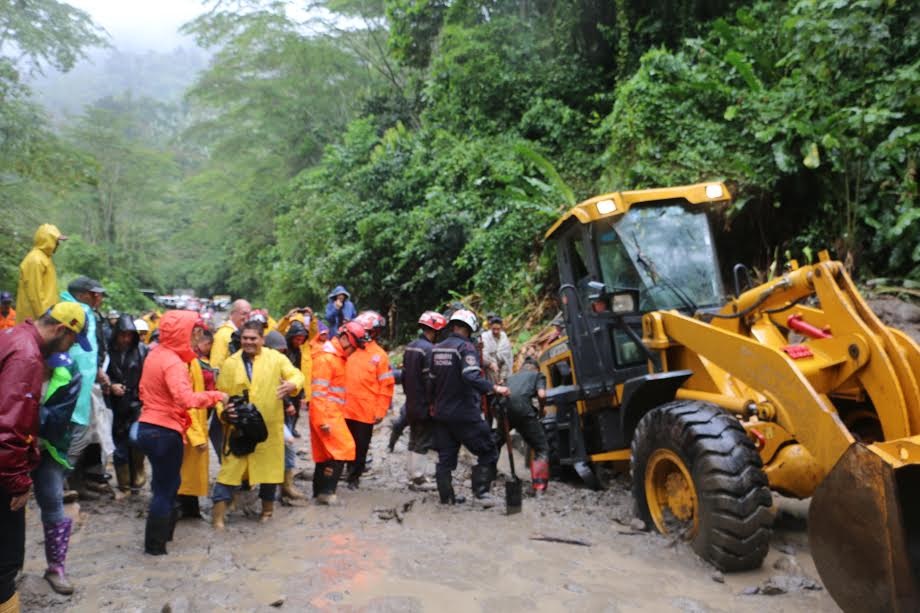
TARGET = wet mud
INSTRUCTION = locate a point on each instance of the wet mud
(390, 549)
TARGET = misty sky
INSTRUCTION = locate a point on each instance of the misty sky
(138, 25)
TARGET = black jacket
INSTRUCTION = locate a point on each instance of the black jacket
(416, 368)
(457, 381)
(125, 367)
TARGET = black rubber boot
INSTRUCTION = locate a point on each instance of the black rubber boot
(337, 469)
(188, 507)
(318, 478)
(156, 533)
(444, 480)
(481, 482)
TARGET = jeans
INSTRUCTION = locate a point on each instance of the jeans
(290, 462)
(48, 481)
(164, 449)
(224, 493)
(12, 545)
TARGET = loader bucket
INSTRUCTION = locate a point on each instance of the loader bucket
(864, 533)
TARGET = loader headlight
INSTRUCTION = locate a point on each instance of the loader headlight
(605, 207)
(713, 191)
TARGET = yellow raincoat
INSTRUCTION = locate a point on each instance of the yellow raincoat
(266, 463)
(37, 290)
(306, 357)
(195, 462)
(220, 349)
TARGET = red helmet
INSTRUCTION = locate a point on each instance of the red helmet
(433, 320)
(372, 321)
(354, 332)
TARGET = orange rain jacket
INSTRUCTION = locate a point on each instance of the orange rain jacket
(370, 384)
(166, 388)
(326, 404)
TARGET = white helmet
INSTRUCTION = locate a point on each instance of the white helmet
(466, 317)
(141, 325)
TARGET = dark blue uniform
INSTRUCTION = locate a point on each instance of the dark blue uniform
(416, 370)
(457, 388)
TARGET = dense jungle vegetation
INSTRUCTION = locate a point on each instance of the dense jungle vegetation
(417, 149)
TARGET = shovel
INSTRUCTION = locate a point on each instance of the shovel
(513, 488)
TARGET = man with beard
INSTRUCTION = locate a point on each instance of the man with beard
(23, 350)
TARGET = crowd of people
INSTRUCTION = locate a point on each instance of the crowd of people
(81, 388)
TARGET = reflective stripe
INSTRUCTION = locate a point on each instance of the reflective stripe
(386, 375)
(446, 350)
(469, 368)
(319, 394)
(320, 381)
(334, 388)
(336, 400)
(416, 349)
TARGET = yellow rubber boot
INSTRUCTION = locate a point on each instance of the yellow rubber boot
(218, 514)
(11, 605)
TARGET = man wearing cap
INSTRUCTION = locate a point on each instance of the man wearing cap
(7, 312)
(23, 350)
(37, 276)
(83, 292)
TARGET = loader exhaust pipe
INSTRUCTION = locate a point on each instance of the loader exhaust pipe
(864, 532)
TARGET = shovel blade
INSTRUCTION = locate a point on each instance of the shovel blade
(513, 496)
(864, 533)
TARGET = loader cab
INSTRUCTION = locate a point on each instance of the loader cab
(625, 254)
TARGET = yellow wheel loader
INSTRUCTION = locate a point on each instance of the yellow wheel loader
(793, 386)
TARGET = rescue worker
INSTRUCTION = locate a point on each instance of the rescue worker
(23, 350)
(415, 372)
(7, 312)
(340, 308)
(330, 439)
(527, 385)
(152, 323)
(369, 381)
(220, 350)
(457, 386)
(37, 290)
(167, 396)
(256, 369)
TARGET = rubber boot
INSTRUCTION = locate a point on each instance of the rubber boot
(332, 472)
(268, 509)
(539, 474)
(481, 482)
(417, 467)
(318, 478)
(11, 605)
(219, 514)
(288, 489)
(395, 433)
(140, 473)
(445, 486)
(123, 478)
(77, 484)
(188, 507)
(57, 539)
(156, 534)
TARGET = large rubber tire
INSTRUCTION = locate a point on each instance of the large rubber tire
(734, 499)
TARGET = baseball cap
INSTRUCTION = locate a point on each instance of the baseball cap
(72, 316)
(85, 284)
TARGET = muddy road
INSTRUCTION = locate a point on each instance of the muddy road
(389, 549)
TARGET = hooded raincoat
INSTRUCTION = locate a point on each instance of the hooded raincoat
(327, 404)
(220, 348)
(195, 463)
(269, 367)
(337, 317)
(37, 290)
(87, 362)
(166, 390)
(302, 357)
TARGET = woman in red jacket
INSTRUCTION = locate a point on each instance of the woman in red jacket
(166, 393)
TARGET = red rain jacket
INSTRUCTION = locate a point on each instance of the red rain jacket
(21, 373)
